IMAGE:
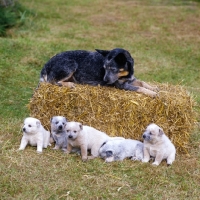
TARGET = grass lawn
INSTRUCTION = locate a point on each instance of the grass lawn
(164, 39)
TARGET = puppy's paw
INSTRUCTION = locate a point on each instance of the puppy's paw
(90, 157)
(84, 159)
(145, 160)
(56, 148)
(155, 163)
(39, 152)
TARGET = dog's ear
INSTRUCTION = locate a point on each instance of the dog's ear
(160, 132)
(109, 153)
(81, 126)
(121, 59)
(38, 123)
(103, 52)
(65, 119)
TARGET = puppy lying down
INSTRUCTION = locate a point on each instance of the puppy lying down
(157, 145)
(86, 138)
(114, 150)
(34, 134)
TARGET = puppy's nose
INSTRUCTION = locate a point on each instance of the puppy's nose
(144, 136)
(60, 127)
(24, 129)
(70, 136)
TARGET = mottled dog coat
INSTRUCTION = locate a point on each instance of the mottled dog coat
(108, 68)
(58, 131)
(120, 149)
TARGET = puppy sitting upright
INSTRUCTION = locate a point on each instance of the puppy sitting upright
(157, 145)
(86, 138)
(58, 131)
(34, 134)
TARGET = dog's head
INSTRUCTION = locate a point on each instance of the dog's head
(31, 125)
(105, 150)
(118, 64)
(153, 134)
(58, 124)
(73, 129)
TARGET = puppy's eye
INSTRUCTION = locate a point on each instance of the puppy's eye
(56, 122)
(75, 131)
(63, 123)
(29, 125)
(150, 133)
(67, 130)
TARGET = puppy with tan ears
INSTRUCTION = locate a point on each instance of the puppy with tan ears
(86, 138)
(157, 145)
(34, 134)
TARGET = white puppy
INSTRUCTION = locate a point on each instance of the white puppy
(86, 138)
(34, 134)
(157, 145)
(120, 149)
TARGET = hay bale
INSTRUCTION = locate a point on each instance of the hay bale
(118, 112)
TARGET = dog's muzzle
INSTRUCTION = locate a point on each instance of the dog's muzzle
(60, 127)
(24, 129)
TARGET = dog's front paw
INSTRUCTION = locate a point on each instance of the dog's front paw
(67, 84)
(39, 152)
(153, 94)
(155, 163)
(84, 159)
(156, 89)
(145, 160)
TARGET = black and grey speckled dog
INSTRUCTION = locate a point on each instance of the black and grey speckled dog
(58, 132)
(103, 67)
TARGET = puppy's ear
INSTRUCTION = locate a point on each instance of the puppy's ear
(81, 126)
(103, 52)
(160, 132)
(38, 123)
(109, 153)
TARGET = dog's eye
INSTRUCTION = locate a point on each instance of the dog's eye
(75, 131)
(56, 122)
(150, 133)
(29, 125)
(67, 130)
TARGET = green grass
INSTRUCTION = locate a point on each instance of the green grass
(164, 39)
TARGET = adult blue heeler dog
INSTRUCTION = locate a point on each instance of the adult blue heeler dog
(102, 67)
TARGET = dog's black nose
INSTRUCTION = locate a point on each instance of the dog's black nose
(70, 136)
(60, 127)
(24, 129)
(144, 136)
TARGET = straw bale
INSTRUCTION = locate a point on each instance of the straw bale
(118, 112)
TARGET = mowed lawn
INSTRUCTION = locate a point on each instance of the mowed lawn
(164, 39)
